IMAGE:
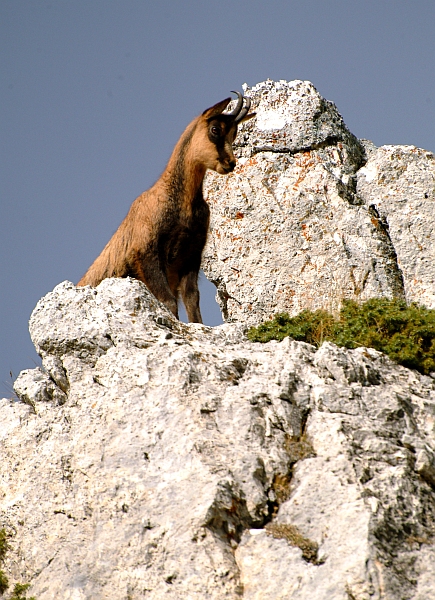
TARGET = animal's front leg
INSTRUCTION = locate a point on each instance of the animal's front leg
(190, 295)
(154, 278)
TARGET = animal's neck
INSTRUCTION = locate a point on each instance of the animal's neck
(183, 175)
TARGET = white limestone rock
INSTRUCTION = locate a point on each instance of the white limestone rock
(34, 385)
(311, 215)
(399, 183)
(177, 444)
(293, 117)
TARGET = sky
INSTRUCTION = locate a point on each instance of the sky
(94, 95)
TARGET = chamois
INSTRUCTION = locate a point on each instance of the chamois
(161, 239)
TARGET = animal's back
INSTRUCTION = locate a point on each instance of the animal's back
(132, 238)
(156, 225)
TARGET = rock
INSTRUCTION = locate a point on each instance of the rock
(188, 462)
(398, 182)
(293, 117)
(311, 215)
(34, 385)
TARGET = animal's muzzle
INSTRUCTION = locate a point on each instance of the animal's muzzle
(229, 165)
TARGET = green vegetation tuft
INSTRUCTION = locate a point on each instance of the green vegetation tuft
(405, 333)
(20, 589)
(19, 592)
(299, 448)
(307, 326)
(4, 583)
(293, 536)
(4, 546)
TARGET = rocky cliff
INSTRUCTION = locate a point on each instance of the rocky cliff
(153, 459)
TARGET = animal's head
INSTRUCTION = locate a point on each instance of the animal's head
(217, 131)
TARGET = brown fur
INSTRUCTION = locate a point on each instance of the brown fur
(161, 239)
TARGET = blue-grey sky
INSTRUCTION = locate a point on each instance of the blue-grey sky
(95, 93)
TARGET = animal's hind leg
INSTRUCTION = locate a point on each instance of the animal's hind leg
(190, 295)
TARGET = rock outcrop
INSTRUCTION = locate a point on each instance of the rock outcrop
(400, 182)
(311, 215)
(152, 459)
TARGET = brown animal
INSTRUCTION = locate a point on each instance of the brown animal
(161, 239)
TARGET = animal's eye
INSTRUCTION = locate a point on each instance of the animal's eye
(215, 131)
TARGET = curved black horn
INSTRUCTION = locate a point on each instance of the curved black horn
(244, 111)
(239, 104)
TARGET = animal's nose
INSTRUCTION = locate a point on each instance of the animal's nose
(231, 164)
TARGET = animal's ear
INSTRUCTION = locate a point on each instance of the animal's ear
(247, 117)
(217, 109)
